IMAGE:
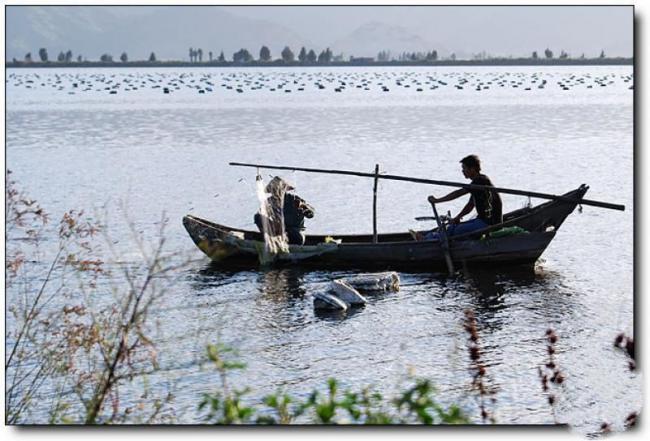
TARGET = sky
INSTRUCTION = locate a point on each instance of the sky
(495, 29)
(359, 30)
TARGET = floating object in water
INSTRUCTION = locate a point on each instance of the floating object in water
(342, 290)
(376, 282)
(325, 300)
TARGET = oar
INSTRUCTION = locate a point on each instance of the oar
(444, 183)
(444, 242)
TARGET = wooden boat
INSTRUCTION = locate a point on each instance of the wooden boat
(397, 250)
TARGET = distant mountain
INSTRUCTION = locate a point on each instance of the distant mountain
(371, 38)
(166, 30)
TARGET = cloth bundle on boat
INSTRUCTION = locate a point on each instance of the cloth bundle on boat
(505, 232)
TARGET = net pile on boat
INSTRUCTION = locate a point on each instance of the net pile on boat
(271, 200)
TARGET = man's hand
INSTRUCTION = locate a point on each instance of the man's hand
(432, 199)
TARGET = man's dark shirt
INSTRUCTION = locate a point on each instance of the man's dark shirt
(294, 218)
(486, 202)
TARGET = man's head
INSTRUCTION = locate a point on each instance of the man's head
(471, 166)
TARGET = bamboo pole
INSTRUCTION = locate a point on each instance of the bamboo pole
(443, 183)
(374, 205)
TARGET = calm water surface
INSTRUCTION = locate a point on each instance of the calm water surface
(85, 147)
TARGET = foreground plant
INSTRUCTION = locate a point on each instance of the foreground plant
(80, 333)
(415, 405)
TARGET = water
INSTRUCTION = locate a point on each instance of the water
(91, 149)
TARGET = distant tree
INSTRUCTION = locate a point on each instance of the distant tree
(79, 59)
(382, 56)
(302, 56)
(28, 57)
(124, 58)
(452, 57)
(582, 56)
(535, 57)
(210, 55)
(242, 56)
(548, 53)
(106, 58)
(325, 57)
(311, 57)
(222, 59)
(199, 52)
(42, 53)
(61, 57)
(152, 58)
(563, 55)
(287, 55)
(602, 53)
(431, 56)
(191, 55)
(265, 54)
(68, 56)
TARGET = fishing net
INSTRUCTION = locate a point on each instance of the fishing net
(271, 200)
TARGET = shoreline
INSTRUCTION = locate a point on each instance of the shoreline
(257, 64)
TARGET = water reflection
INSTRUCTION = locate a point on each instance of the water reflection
(545, 294)
(206, 279)
(282, 285)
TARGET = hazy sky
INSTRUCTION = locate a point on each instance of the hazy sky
(359, 30)
(497, 29)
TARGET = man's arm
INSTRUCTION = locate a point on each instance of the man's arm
(465, 211)
(450, 197)
(303, 207)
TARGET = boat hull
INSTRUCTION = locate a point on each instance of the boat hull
(394, 250)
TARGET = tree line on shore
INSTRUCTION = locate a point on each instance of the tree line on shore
(305, 57)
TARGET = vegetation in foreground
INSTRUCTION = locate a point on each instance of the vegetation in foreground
(415, 405)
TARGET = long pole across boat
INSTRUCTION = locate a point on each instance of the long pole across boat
(437, 182)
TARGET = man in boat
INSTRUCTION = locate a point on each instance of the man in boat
(486, 202)
(291, 207)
